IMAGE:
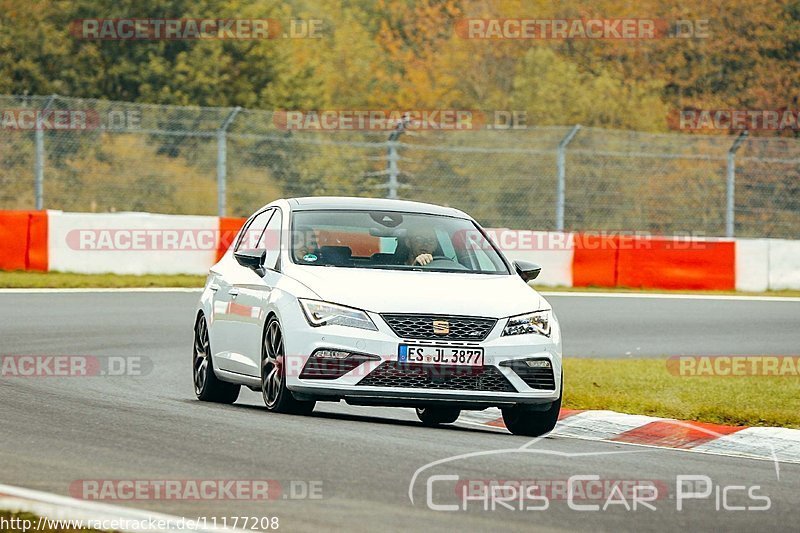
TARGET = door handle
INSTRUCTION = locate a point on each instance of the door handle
(213, 287)
(234, 292)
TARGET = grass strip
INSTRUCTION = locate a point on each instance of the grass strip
(66, 280)
(647, 387)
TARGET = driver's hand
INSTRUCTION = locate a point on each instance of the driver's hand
(423, 259)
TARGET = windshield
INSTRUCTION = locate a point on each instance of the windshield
(392, 241)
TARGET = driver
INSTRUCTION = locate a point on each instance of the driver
(421, 243)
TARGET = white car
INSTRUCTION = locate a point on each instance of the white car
(377, 302)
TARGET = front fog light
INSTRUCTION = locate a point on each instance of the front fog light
(537, 323)
(537, 363)
(331, 354)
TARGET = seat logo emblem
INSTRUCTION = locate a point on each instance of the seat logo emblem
(441, 327)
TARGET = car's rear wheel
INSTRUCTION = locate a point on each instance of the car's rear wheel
(207, 387)
(433, 416)
(277, 397)
(524, 420)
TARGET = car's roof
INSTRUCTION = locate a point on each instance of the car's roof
(375, 204)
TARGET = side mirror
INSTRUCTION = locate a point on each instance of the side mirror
(527, 271)
(253, 259)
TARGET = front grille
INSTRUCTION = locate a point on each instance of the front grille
(541, 378)
(419, 376)
(459, 328)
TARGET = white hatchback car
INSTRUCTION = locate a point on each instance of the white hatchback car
(377, 302)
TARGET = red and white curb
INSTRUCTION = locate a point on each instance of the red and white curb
(768, 443)
(62, 508)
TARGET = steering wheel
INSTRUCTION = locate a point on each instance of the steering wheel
(444, 261)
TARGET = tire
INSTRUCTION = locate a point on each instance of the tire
(522, 420)
(433, 416)
(277, 397)
(207, 387)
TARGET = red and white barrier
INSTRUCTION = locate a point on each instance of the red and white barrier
(599, 260)
(752, 264)
(131, 243)
(145, 243)
(23, 240)
(552, 251)
(784, 264)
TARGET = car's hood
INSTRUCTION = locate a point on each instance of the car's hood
(392, 291)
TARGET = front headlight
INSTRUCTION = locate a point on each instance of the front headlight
(538, 322)
(324, 314)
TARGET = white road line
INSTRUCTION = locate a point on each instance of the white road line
(667, 296)
(55, 507)
(784, 443)
(90, 290)
(560, 294)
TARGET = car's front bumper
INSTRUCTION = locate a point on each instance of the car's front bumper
(302, 340)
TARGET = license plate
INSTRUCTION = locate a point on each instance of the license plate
(440, 355)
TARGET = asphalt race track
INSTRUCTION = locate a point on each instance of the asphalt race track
(360, 462)
(653, 326)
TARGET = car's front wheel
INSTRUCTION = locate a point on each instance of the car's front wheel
(523, 420)
(277, 397)
(207, 387)
(433, 416)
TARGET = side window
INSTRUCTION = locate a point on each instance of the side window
(249, 238)
(271, 240)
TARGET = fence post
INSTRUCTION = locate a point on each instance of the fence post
(222, 160)
(730, 211)
(561, 186)
(392, 157)
(38, 183)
